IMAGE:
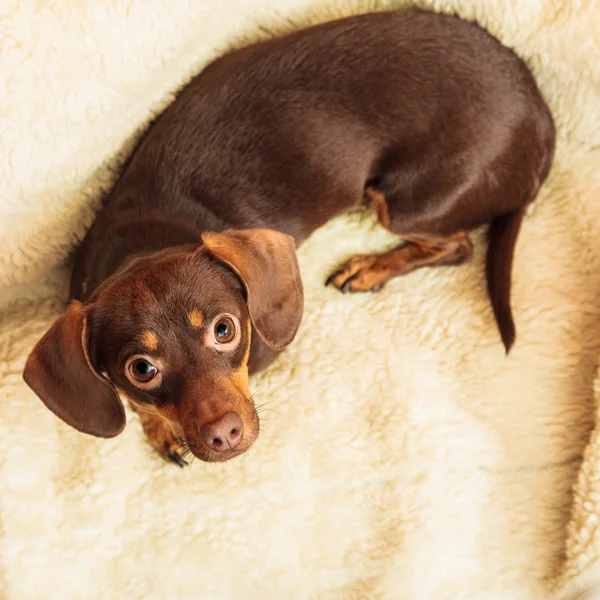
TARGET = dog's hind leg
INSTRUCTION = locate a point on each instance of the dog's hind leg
(434, 216)
(370, 272)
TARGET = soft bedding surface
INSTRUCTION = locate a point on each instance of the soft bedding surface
(403, 456)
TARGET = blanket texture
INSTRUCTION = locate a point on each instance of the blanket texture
(403, 456)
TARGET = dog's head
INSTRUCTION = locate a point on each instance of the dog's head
(171, 332)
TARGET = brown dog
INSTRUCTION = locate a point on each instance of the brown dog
(188, 280)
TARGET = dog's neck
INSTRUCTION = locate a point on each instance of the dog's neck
(112, 245)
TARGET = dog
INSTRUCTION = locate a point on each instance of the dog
(187, 281)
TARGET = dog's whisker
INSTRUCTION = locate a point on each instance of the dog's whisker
(259, 391)
(264, 404)
(265, 427)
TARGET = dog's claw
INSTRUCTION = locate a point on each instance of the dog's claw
(359, 274)
(175, 458)
(346, 287)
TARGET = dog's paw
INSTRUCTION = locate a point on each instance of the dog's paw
(163, 439)
(361, 273)
(175, 457)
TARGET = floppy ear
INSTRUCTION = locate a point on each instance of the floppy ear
(59, 370)
(266, 263)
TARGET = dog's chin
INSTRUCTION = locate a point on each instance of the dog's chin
(207, 455)
(216, 457)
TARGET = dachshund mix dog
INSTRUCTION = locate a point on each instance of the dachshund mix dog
(187, 282)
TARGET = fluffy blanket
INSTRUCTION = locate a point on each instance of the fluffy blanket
(403, 457)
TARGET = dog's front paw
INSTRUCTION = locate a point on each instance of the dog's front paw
(163, 439)
(360, 274)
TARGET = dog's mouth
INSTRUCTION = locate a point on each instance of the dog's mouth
(208, 455)
(217, 457)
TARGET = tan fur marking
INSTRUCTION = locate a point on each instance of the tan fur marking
(150, 340)
(196, 318)
(370, 272)
(377, 203)
(159, 430)
(239, 377)
(240, 380)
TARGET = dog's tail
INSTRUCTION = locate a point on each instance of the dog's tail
(503, 234)
(502, 238)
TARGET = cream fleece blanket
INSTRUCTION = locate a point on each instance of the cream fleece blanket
(403, 456)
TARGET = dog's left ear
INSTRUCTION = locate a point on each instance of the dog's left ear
(61, 372)
(266, 263)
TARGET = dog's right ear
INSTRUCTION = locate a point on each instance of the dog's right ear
(266, 264)
(60, 371)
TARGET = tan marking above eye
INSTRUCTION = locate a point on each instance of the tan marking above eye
(150, 340)
(196, 318)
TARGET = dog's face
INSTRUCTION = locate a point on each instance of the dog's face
(171, 332)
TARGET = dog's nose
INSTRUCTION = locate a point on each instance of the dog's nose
(224, 433)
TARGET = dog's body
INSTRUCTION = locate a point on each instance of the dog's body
(426, 117)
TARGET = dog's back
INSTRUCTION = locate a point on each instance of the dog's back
(260, 132)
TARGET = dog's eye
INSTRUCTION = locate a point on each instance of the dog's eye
(142, 370)
(224, 330)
